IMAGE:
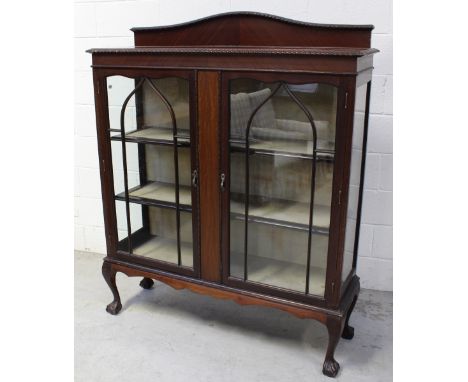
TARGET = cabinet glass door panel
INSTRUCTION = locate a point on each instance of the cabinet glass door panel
(152, 167)
(282, 140)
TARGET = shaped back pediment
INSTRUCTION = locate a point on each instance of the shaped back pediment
(253, 30)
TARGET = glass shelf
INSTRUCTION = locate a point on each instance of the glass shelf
(159, 194)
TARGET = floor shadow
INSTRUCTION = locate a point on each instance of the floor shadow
(217, 312)
(268, 322)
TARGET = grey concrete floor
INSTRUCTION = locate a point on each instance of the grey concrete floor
(167, 335)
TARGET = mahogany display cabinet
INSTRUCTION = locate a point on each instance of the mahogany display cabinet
(232, 155)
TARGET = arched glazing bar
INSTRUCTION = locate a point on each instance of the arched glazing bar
(312, 187)
(124, 162)
(247, 178)
(247, 175)
(176, 160)
(176, 163)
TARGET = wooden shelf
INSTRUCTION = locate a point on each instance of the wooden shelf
(283, 213)
(154, 135)
(160, 194)
(295, 149)
(287, 214)
(279, 273)
(163, 249)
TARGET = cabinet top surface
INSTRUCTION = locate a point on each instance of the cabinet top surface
(234, 50)
(250, 33)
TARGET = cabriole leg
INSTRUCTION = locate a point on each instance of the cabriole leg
(348, 331)
(330, 366)
(146, 283)
(109, 275)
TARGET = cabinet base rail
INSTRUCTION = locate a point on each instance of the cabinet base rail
(336, 320)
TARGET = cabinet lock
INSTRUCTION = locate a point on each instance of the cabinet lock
(195, 178)
(223, 178)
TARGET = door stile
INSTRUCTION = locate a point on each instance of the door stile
(224, 144)
(194, 160)
(208, 108)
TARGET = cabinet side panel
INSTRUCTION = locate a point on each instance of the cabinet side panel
(208, 130)
(356, 182)
(105, 161)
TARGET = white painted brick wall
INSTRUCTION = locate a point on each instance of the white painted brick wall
(104, 23)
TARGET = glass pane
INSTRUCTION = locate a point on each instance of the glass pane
(151, 173)
(158, 157)
(121, 215)
(147, 115)
(186, 239)
(136, 221)
(354, 180)
(274, 180)
(156, 118)
(118, 88)
(160, 243)
(117, 166)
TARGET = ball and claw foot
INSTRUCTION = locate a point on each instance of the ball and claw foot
(348, 332)
(331, 367)
(146, 283)
(114, 307)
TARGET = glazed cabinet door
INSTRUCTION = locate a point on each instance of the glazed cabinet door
(154, 164)
(277, 182)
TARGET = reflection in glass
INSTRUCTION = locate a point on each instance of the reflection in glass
(118, 88)
(273, 176)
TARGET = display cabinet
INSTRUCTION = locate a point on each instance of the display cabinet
(232, 155)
